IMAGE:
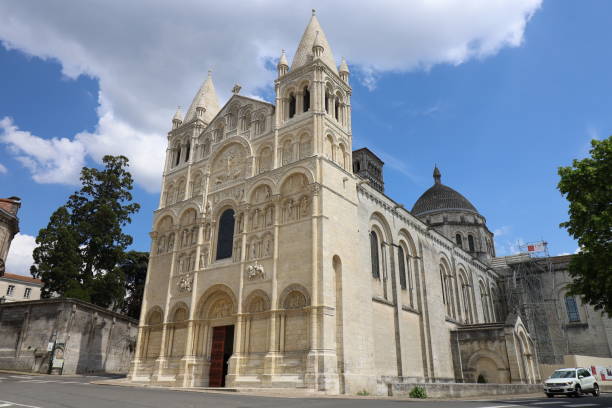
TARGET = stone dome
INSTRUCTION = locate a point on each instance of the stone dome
(441, 198)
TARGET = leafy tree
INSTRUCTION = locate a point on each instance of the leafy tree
(57, 258)
(134, 271)
(587, 185)
(93, 220)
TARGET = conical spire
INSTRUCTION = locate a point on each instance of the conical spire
(206, 98)
(304, 54)
(283, 59)
(344, 66)
(437, 175)
(178, 115)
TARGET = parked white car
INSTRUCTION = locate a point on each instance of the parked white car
(571, 382)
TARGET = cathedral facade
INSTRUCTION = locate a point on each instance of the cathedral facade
(278, 261)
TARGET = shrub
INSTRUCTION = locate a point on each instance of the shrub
(363, 393)
(418, 392)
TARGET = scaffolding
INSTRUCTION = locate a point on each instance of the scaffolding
(530, 291)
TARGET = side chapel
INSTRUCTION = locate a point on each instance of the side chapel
(278, 261)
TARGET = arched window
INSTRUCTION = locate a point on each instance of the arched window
(442, 283)
(177, 159)
(471, 243)
(356, 166)
(187, 151)
(402, 267)
(306, 99)
(291, 105)
(459, 240)
(225, 238)
(336, 108)
(374, 255)
(326, 102)
(572, 309)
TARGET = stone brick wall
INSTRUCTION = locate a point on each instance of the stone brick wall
(96, 340)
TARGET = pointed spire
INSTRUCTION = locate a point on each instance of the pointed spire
(313, 36)
(437, 175)
(178, 115)
(344, 70)
(344, 66)
(283, 59)
(177, 119)
(283, 66)
(206, 97)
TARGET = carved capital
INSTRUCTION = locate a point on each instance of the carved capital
(314, 188)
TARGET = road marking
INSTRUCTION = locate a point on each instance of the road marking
(500, 406)
(21, 376)
(580, 405)
(37, 381)
(16, 404)
(546, 403)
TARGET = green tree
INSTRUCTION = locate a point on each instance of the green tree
(57, 258)
(93, 218)
(587, 185)
(134, 271)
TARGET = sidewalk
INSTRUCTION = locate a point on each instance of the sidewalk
(298, 393)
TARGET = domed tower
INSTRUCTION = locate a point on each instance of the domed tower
(452, 215)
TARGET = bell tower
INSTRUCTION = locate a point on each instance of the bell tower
(314, 88)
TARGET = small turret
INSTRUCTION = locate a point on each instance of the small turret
(317, 47)
(177, 120)
(283, 65)
(344, 70)
(200, 111)
(437, 175)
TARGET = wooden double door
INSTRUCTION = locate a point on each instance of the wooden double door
(220, 353)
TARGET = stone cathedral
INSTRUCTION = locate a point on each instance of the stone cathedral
(278, 261)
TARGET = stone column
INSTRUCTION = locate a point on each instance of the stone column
(270, 360)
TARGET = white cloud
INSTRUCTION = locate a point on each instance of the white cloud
(151, 55)
(503, 230)
(20, 258)
(3, 169)
(49, 160)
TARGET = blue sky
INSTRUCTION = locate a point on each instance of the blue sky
(498, 120)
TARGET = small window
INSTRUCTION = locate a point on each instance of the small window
(306, 99)
(374, 255)
(291, 106)
(225, 239)
(10, 290)
(471, 243)
(402, 267)
(336, 109)
(177, 159)
(572, 309)
(327, 102)
(459, 240)
(187, 151)
(27, 292)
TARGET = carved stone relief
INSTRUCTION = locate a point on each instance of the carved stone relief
(255, 271)
(185, 283)
(295, 300)
(221, 308)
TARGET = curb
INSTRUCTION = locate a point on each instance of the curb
(288, 393)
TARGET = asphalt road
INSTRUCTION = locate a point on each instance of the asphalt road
(21, 391)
